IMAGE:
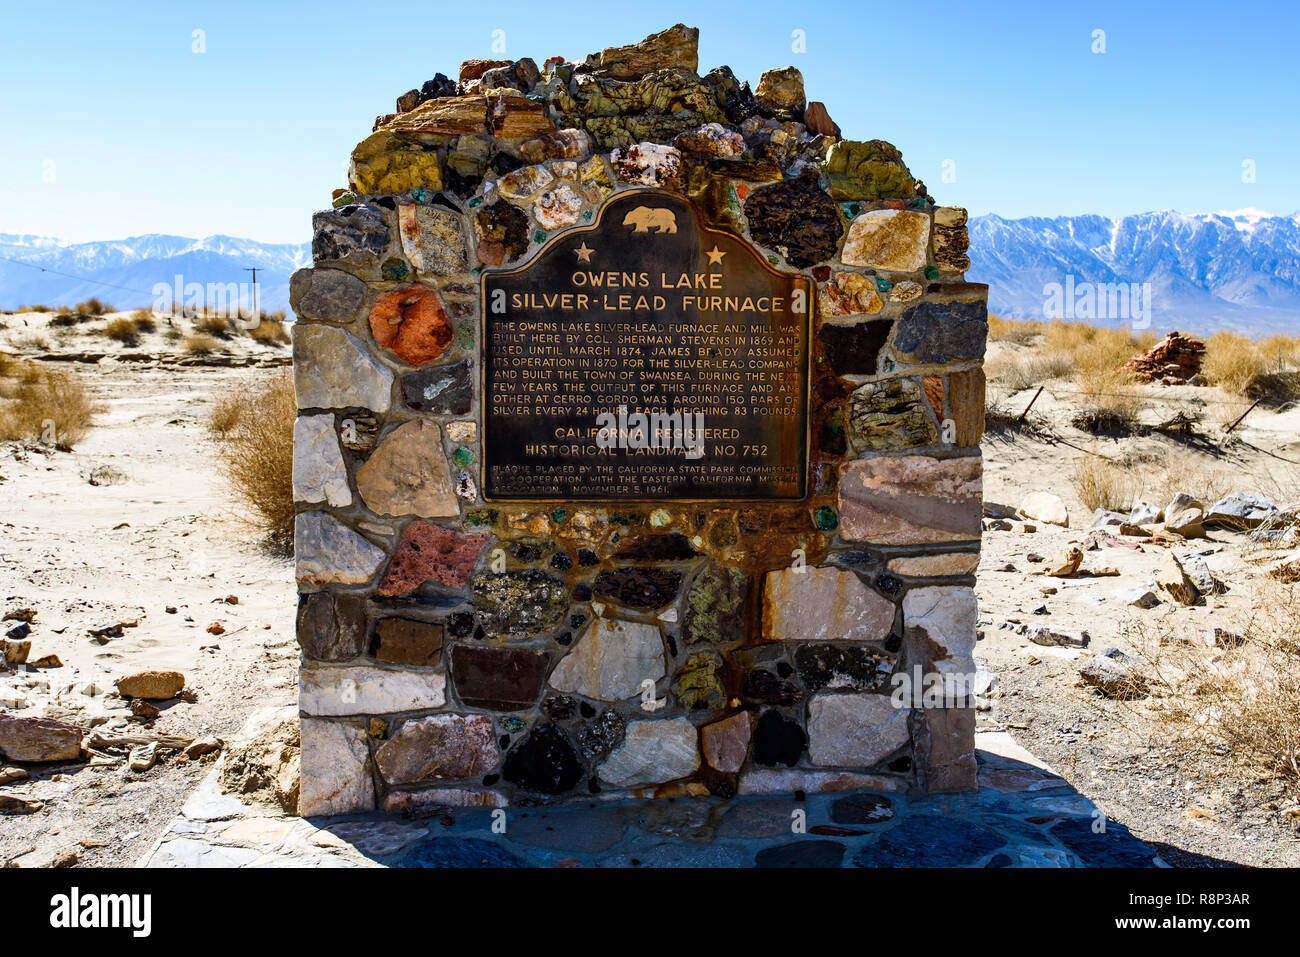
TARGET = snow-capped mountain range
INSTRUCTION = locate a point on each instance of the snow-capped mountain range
(1238, 271)
(1197, 273)
(124, 272)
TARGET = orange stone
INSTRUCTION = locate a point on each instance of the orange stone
(933, 385)
(411, 324)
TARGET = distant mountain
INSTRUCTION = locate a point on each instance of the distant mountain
(124, 272)
(1238, 271)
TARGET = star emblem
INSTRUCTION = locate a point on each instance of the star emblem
(583, 253)
(715, 256)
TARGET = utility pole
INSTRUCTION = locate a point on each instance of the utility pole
(257, 317)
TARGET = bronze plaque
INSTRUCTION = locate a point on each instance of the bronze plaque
(645, 356)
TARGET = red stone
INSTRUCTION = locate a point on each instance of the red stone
(38, 739)
(410, 322)
(933, 385)
(431, 553)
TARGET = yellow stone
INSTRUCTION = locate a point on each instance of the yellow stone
(382, 163)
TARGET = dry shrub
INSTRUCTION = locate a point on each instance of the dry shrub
(1011, 330)
(144, 320)
(94, 307)
(200, 344)
(1268, 370)
(39, 308)
(1240, 693)
(1109, 400)
(122, 330)
(270, 332)
(213, 325)
(35, 401)
(1103, 483)
(31, 340)
(256, 440)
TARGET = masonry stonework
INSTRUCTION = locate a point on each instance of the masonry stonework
(465, 648)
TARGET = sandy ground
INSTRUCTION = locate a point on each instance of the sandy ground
(84, 556)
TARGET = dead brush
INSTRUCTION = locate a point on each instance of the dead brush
(41, 405)
(1234, 691)
(254, 432)
(1103, 483)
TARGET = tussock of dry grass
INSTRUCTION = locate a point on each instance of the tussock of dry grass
(1237, 695)
(39, 404)
(255, 433)
(1156, 477)
(1268, 370)
(123, 330)
(1102, 483)
(94, 307)
(270, 332)
(200, 344)
(213, 325)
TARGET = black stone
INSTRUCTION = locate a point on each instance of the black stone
(602, 736)
(576, 620)
(672, 547)
(925, 840)
(862, 809)
(854, 349)
(564, 638)
(797, 216)
(777, 740)
(586, 557)
(520, 602)
(735, 97)
(560, 707)
(330, 627)
(353, 234)
(544, 762)
(762, 685)
(460, 625)
(561, 562)
(581, 592)
(639, 587)
(890, 585)
(440, 390)
(586, 710)
(943, 331)
(527, 552)
(802, 854)
(439, 87)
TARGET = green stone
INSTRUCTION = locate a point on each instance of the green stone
(395, 270)
(850, 210)
(462, 457)
(715, 605)
(773, 260)
(513, 724)
(826, 519)
(465, 335)
(587, 215)
(559, 515)
(481, 517)
(931, 272)
(883, 285)
(476, 201)
(421, 195)
(539, 237)
(870, 170)
(697, 685)
(346, 199)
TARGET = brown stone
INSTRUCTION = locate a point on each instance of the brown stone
(408, 474)
(819, 121)
(411, 324)
(331, 627)
(443, 117)
(404, 641)
(151, 684)
(966, 400)
(1174, 580)
(562, 144)
(910, 500)
(474, 69)
(431, 553)
(944, 744)
(780, 93)
(498, 679)
(1065, 564)
(933, 386)
(849, 294)
(726, 742)
(674, 48)
(421, 802)
(439, 747)
(38, 739)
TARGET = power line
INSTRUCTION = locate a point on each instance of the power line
(65, 275)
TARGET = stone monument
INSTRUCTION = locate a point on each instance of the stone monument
(637, 450)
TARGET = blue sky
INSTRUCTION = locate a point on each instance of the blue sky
(111, 126)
